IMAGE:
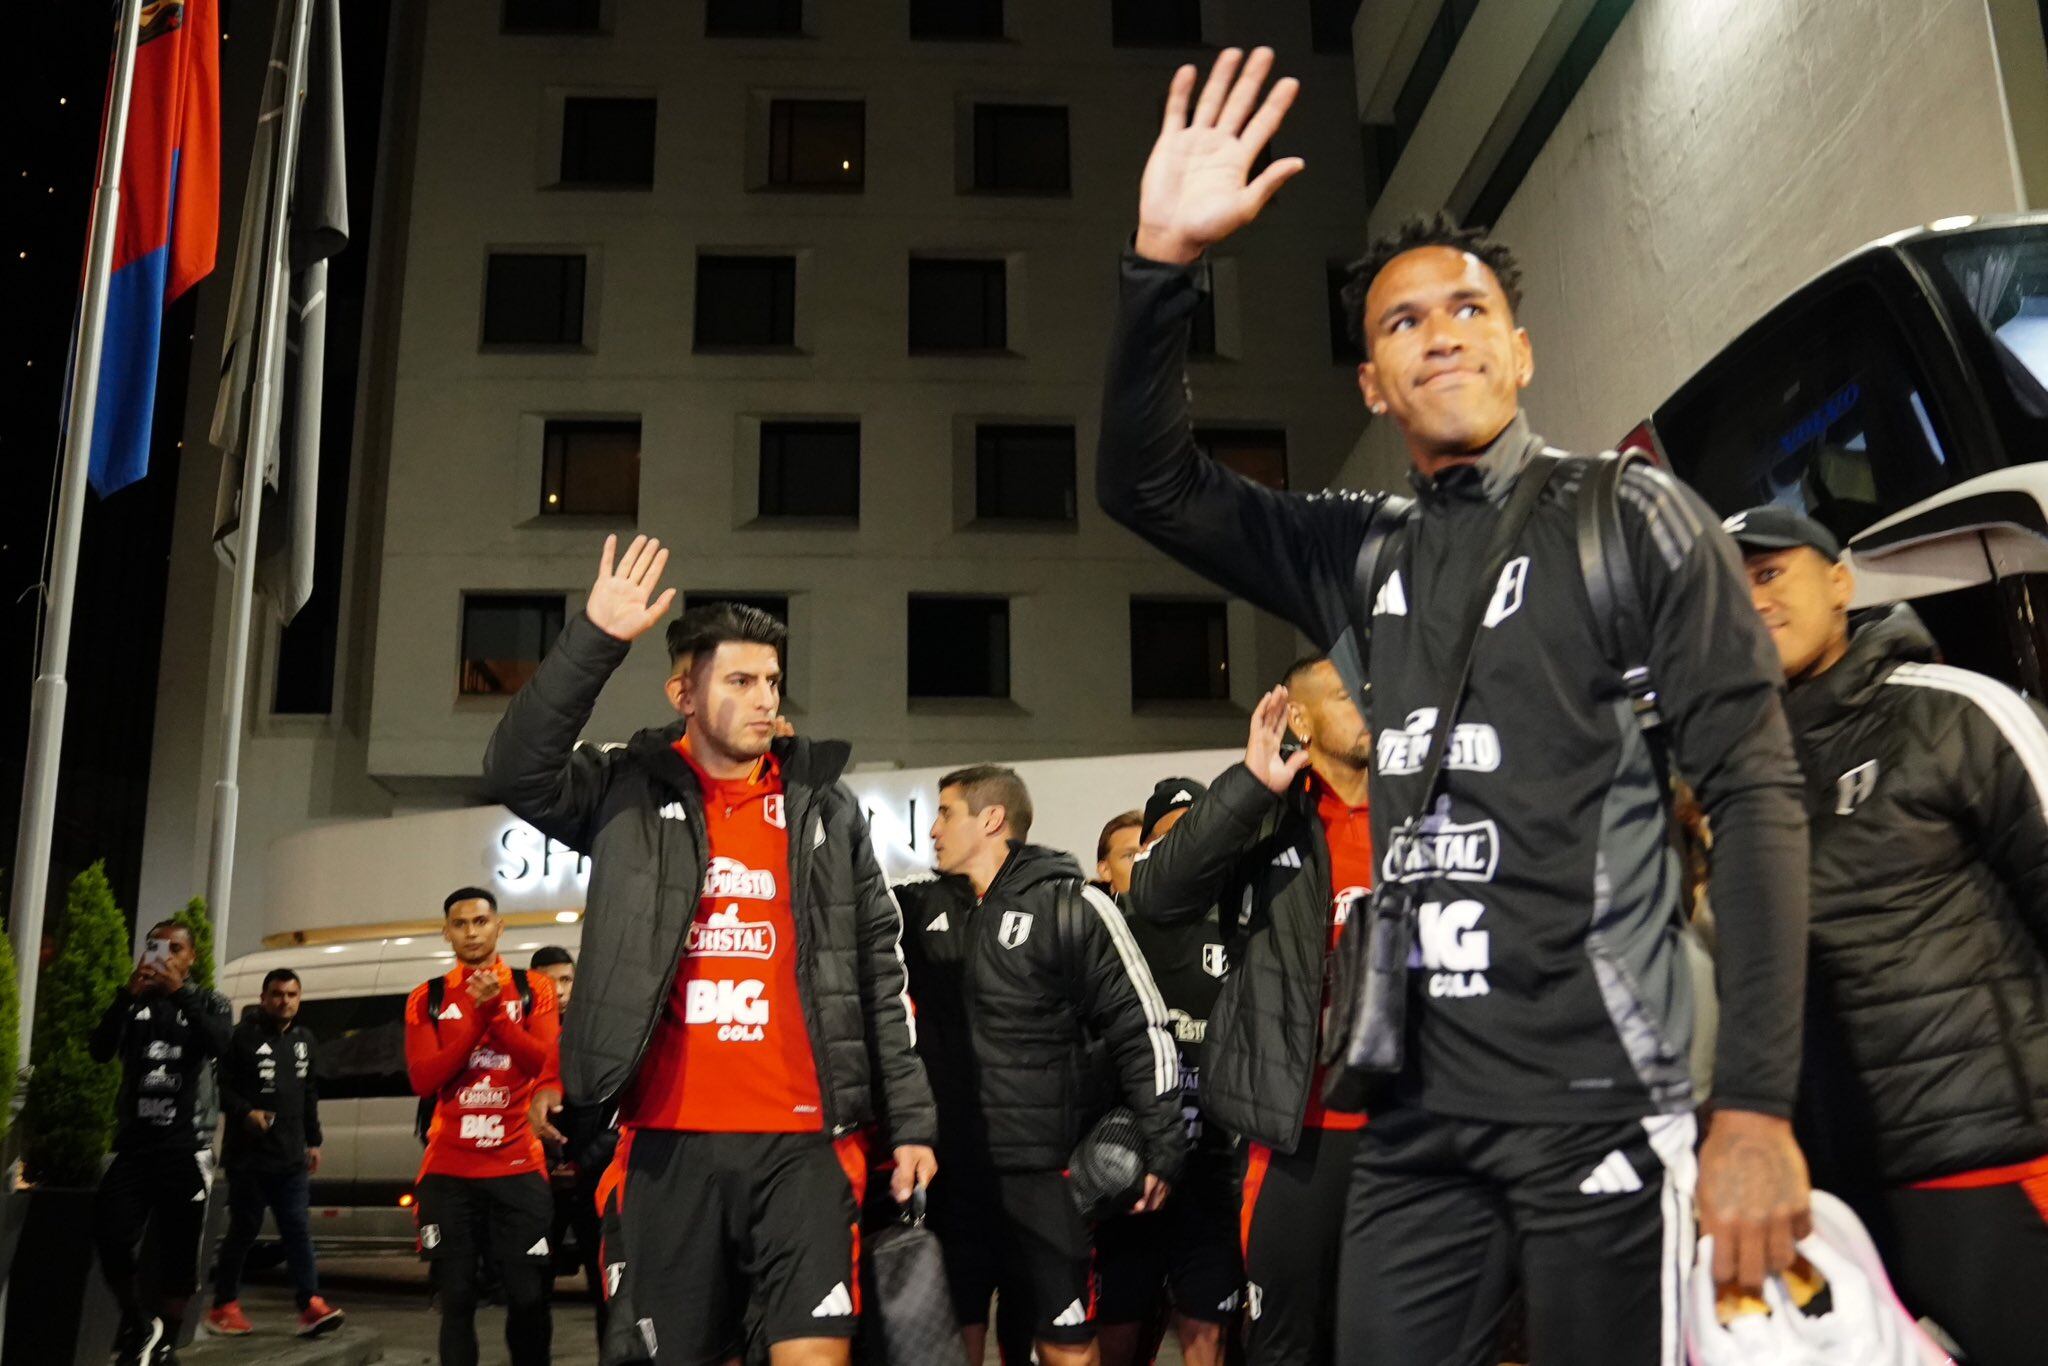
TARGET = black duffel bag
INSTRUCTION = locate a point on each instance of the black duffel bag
(907, 1318)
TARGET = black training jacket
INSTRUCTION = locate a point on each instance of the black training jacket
(1009, 993)
(1552, 986)
(166, 1045)
(1264, 862)
(269, 1069)
(1927, 1030)
(638, 811)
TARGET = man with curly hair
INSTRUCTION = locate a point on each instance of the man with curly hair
(1540, 1128)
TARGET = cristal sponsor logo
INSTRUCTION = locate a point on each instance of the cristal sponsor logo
(723, 934)
(729, 877)
(159, 1079)
(483, 1095)
(1444, 848)
(1186, 1028)
(735, 1007)
(485, 1131)
(1450, 946)
(1475, 746)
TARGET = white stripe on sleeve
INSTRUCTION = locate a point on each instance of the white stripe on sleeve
(2015, 720)
(1165, 1055)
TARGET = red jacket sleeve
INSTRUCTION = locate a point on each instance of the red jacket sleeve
(532, 1043)
(435, 1056)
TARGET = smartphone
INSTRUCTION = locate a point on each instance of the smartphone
(157, 953)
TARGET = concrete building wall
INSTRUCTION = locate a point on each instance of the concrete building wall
(1718, 155)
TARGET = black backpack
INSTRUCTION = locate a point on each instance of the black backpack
(437, 992)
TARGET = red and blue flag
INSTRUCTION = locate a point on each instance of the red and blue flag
(167, 226)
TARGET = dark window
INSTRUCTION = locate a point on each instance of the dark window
(746, 301)
(503, 640)
(956, 19)
(1202, 327)
(959, 647)
(958, 306)
(1021, 148)
(1156, 23)
(362, 1045)
(817, 144)
(774, 604)
(810, 469)
(1259, 454)
(1330, 24)
(1180, 651)
(533, 299)
(1542, 119)
(753, 18)
(608, 141)
(1344, 348)
(1024, 473)
(590, 468)
(553, 16)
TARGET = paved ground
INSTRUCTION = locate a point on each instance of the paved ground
(388, 1312)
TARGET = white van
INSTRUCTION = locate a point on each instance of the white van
(354, 1002)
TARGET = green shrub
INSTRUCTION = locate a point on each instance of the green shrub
(196, 918)
(70, 1113)
(10, 1034)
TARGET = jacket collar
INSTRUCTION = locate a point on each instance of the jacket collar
(1879, 643)
(1491, 475)
(806, 764)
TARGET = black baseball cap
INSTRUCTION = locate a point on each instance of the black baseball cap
(1775, 527)
(1170, 794)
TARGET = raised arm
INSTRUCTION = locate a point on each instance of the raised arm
(1291, 554)
(533, 764)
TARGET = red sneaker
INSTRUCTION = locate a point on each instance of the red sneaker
(229, 1321)
(319, 1317)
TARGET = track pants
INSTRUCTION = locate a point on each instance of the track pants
(1446, 1217)
(1974, 1260)
(1292, 1227)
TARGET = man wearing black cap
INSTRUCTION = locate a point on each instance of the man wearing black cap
(1287, 854)
(1189, 1249)
(1924, 1095)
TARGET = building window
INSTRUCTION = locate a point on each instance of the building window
(1202, 328)
(1330, 25)
(1344, 329)
(1021, 149)
(533, 299)
(810, 469)
(817, 144)
(753, 18)
(590, 468)
(1259, 454)
(960, 20)
(1024, 473)
(959, 646)
(958, 306)
(553, 16)
(746, 301)
(608, 142)
(1156, 23)
(1180, 651)
(504, 638)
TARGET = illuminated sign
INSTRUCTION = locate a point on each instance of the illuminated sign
(524, 860)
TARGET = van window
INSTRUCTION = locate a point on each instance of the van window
(2003, 278)
(362, 1045)
(1827, 414)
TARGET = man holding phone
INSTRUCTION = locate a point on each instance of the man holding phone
(165, 1030)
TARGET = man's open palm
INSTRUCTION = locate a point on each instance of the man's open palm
(618, 603)
(1198, 187)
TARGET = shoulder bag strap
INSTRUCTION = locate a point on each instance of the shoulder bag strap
(1619, 619)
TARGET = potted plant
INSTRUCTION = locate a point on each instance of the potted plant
(59, 1308)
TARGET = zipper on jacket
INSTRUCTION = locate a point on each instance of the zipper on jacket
(806, 951)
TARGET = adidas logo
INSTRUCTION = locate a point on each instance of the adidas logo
(1615, 1175)
(263, 1050)
(1073, 1316)
(539, 1248)
(675, 811)
(941, 923)
(142, 1014)
(1287, 858)
(613, 1275)
(837, 1305)
(451, 1011)
(818, 835)
(1183, 796)
(1391, 601)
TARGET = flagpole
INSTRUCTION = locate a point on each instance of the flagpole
(46, 706)
(220, 871)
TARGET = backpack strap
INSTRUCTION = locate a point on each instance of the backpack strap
(437, 991)
(1619, 620)
(1348, 654)
(423, 1113)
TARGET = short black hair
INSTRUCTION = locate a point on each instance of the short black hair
(702, 629)
(1440, 230)
(460, 894)
(986, 785)
(276, 975)
(549, 955)
(173, 927)
(1302, 666)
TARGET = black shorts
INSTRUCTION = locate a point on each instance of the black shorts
(1973, 1259)
(500, 1218)
(1188, 1249)
(698, 1226)
(1020, 1232)
(1291, 1228)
